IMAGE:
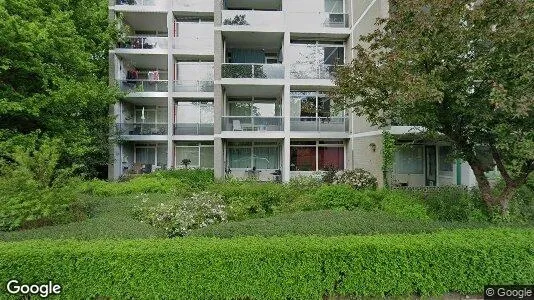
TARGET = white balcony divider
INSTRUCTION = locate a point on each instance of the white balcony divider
(252, 123)
(255, 18)
(144, 42)
(259, 71)
(200, 44)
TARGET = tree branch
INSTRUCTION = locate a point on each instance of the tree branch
(500, 166)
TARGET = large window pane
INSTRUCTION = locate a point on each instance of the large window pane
(266, 157)
(264, 108)
(240, 158)
(445, 160)
(187, 112)
(334, 6)
(145, 155)
(162, 155)
(331, 157)
(190, 153)
(303, 159)
(240, 108)
(333, 55)
(409, 160)
(206, 157)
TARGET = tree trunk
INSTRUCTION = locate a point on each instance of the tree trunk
(500, 200)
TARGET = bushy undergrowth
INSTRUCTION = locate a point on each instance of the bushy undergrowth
(180, 216)
(454, 204)
(357, 178)
(404, 206)
(310, 267)
(34, 192)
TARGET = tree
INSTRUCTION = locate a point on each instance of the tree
(461, 69)
(53, 77)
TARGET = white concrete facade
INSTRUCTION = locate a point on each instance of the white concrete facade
(240, 86)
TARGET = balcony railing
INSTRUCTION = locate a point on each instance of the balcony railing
(193, 129)
(143, 85)
(137, 2)
(312, 21)
(141, 129)
(143, 42)
(193, 86)
(239, 123)
(193, 5)
(252, 18)
(266, 71)
(320, 124)
(201, 44)
(307, 71)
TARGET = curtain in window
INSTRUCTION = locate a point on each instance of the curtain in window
(409, 160)
(266, 158)
(190, 153)
(145, 155)
(331, 157)
(206, 157)
(303, 159)
(247, 56)
(239, 157)
(333, 6)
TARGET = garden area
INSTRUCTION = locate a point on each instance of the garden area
(192, 236)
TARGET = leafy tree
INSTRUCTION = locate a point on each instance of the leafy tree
(53, 77)
(462, 69)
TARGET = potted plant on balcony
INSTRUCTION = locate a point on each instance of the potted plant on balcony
(186, 162)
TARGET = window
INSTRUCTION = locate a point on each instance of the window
(151, 154)
(333, 6)
(256, 107)
(200, 154)
(445, 160)
(197, 112)
(264, 156)
(317, 156)
(409, 160)
(151, 114)
(313, 104)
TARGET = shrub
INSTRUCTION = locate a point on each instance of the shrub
(276, 268)
(194, 178)
(34, 192)
(136, 185)
(332, 196)
(357, 178)
(178, 218)
(404, 206)
(454, 204)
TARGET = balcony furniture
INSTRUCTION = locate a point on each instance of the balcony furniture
(236, 125)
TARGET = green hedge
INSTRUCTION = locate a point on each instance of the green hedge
(276, 268)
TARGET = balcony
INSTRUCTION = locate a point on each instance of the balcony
(310, 22)
(193, 129)
(193, 5)
(143, 86)
(143, 43)
(193, 86)
(238, 123)
(202, 45)
(320, 124)
(306, 71)
(259, 71)
(141, 129)
(257, 19)
(141, 2)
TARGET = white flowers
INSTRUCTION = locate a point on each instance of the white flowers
(198, 211)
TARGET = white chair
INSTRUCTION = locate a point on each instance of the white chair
(236, 125)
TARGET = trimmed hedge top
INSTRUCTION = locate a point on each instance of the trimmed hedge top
(276, 268)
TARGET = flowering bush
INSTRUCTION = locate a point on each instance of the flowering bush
(357, 178)
(177, 219)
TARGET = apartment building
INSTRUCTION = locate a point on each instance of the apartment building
(241, 87)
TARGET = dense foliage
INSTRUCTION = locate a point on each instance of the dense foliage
(34, 191)
(276, 268)
(53, 78)
(458, 69)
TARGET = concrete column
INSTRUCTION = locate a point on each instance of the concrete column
(218, 158)
(170, 100)
(286, 152)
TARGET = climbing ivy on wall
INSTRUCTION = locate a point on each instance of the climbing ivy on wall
(388, 155)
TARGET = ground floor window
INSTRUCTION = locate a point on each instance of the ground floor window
(409, 159)
(446, 165)
(151, 154)
(317, 155)
(200, 154)
(253, 155)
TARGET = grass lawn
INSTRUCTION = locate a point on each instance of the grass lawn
(329, 223)
(111, 219)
